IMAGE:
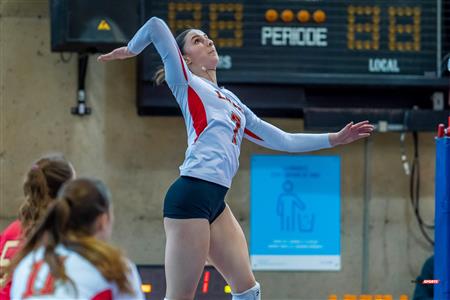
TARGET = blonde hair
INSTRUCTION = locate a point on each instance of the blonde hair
(160, 76)
(41, 186)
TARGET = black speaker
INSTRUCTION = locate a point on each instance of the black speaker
(93, 26)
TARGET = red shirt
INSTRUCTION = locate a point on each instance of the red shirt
(9, 246)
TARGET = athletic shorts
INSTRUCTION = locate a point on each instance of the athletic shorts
(190, 197)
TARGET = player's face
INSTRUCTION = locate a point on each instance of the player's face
(200, 50)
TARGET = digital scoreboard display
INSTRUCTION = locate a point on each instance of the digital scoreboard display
(381, 42)
(211, 285)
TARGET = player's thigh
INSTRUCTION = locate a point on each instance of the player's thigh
(187, 244)
(228, 252)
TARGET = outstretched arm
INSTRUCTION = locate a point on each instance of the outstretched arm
(269, 136)
(157, 32)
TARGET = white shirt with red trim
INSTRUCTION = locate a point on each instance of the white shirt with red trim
(216, 120)
(32, 280)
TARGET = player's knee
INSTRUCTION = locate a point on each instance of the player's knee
(251, 294)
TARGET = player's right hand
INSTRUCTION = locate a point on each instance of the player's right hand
(119, 53)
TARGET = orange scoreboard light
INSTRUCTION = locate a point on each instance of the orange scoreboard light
(368, 42)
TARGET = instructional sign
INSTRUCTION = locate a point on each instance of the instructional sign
(295, 212)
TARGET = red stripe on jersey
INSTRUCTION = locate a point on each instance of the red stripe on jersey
(104, 295)
(49, 286)
(251, 134)
(182, 64)
(31, 280)
(197, 111)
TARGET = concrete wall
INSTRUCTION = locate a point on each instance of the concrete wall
(139, 158)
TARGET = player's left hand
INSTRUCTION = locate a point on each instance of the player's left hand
(351, 132)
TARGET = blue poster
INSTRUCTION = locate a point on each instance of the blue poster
(295, 212)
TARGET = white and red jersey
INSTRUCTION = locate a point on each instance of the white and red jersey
(10, 240)
(32, 279)
(216, 120)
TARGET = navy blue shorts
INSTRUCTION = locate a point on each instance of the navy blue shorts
(190, 197)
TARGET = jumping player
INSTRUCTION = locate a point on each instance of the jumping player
(198, 224)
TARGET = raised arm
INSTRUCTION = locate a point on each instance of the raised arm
(157, 32)
(269, 136)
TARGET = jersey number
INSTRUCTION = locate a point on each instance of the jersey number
(4, 262)
(235, 118)
(47, 289)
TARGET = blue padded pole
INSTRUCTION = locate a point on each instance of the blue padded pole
(442, 222)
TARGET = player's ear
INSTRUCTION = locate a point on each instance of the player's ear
(187, 59)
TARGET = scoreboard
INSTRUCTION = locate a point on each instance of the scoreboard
(211, 285)
(370, 42)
